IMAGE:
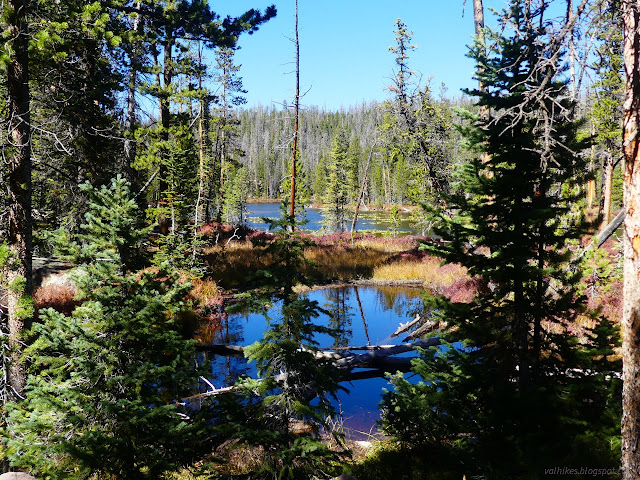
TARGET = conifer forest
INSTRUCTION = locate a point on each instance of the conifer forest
(424, 285)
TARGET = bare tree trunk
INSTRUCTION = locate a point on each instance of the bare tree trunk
(572, 52)
(19, 187)
(165, 122)
(223, 140)
(130, 121)
(607, 190)
(364, 183)
(296, 112)
(201, 166)
(591, 185)
(631, 304)
(478, 22)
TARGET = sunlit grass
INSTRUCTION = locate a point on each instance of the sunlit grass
(427, 270)
(343, 263)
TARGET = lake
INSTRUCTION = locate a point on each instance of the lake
(370, 220)
(365, 315)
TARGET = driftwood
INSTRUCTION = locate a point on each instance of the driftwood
(423, 330)
(373, 358)
(405, 326)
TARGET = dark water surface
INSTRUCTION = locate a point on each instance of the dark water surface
(364, 316)
(372, 220)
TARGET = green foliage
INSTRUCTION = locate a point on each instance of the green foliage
(291, 375)
(234, 199)
(512, 386)
(337, 189)
(417, 130)
(106, 383)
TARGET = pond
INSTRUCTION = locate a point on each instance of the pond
(370, 220)
(365, 315)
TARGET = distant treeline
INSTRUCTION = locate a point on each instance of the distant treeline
(357, 137)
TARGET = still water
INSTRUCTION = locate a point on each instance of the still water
(371, 220)
(362, 315)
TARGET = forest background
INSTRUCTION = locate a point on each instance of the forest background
(124, 132)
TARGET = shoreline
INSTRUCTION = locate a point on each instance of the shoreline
(405, 208)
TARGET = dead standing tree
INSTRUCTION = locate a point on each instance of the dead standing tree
(296, 113)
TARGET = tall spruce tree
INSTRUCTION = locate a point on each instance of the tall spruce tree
(508, 394)
(337, 192)
(106, 382)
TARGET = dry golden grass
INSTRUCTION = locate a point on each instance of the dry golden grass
(204, 291)
(370, 258)
(427, 270)
(230, 264)
(384, 244)
(344, 263)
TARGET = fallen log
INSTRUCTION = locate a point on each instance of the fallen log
(423, 330)
(607, 231)
(376, 360)
(405, 326)
(369, 359)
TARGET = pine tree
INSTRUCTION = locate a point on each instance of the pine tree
(106, 382)
(296, 386)
(608, 92)
(336, 194)
(500, 393)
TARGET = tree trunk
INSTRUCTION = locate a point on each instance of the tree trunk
(19, 186)
(361, 194)
(607, 189)
(591, 185)
(130, 121)
(165, 122)
(478, 22)
(296, 112)
(572, 52)
(631, 303)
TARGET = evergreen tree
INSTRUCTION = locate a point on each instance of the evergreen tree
(296, 386)
(336, 194)
(418, 131)
(234, 204)
(608, 93)
(508, 394)
(106, 383)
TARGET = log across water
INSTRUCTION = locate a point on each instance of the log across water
(377, 360)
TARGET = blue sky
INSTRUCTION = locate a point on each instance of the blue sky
(344, 48)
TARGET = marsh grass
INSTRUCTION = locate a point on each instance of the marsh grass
(230, 265)
(343, 263)
(335, 258)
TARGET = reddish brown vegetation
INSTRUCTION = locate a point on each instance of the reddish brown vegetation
(59, 296)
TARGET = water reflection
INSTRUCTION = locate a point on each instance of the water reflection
(340, 315)
(361, 316)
